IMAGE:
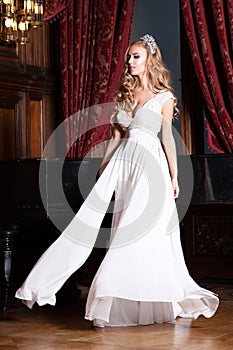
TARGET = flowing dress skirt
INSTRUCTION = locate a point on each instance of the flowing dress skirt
(143, 278)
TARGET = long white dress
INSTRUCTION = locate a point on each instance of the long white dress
(143, 278)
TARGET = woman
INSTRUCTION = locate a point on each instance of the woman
(143, 278)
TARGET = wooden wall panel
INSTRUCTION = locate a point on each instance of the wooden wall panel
(28, 88)
(35, 130)
(37, 52)
(7, 134)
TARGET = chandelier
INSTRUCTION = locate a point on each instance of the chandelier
(17, 16)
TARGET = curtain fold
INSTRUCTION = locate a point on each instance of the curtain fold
(53, 9)
(209, 27)
(94, 35)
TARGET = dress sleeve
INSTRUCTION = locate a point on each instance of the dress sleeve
(164, 96)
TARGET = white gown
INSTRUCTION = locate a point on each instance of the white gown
(143, 278)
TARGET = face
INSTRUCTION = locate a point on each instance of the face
(137, 58)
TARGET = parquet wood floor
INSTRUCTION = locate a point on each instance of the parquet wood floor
(63, 328)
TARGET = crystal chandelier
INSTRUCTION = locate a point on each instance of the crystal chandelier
(17, 16)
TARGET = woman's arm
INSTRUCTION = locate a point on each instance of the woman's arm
(169, 143)
(112, 145)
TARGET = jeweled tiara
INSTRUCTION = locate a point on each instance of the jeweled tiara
(150, 41)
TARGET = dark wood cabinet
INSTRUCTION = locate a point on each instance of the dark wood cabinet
(207, 228)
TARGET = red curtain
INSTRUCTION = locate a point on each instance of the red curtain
(209, 27)
(94, 35)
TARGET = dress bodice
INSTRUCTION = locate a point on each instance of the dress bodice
(147, 117)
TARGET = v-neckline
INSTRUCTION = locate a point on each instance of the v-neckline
(143, 105)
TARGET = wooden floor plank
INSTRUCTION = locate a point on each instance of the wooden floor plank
(63, 327)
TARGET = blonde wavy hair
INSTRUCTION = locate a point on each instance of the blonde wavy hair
(157, 74)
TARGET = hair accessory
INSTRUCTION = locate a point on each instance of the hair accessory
(150, 41)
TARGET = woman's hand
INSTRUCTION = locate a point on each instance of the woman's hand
(175, 187)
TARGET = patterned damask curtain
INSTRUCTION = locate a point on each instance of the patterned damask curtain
(209, 27)
(94, 35)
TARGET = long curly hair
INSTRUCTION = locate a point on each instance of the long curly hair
(157, 74)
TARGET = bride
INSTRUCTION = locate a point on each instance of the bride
(143, 278)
